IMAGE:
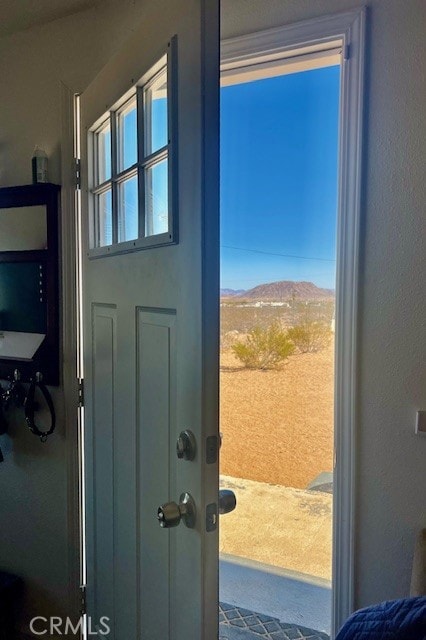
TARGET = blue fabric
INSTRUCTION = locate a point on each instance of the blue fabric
(393, 620)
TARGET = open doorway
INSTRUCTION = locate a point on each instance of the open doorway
(279, 206)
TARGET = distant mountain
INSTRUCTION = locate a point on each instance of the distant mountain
(286, 290)
(231, 292)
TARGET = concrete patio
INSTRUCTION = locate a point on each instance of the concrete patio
(279, 526)
(275, 561)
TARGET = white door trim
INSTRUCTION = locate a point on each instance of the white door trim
(69, 341)
(321, 34)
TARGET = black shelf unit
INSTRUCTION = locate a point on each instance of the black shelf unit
(46, 359)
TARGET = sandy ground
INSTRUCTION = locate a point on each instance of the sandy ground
(277, 425)
(279, 526)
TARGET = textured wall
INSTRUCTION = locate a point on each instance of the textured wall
(391, 469)
(34, 62)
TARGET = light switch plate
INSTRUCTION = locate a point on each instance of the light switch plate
(421, 423)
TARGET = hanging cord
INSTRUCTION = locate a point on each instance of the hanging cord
(3, 423)
(30, 408)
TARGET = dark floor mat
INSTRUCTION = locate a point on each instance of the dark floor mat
(240, 624)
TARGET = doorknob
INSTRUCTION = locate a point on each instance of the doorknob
(170, 514)
(227, 501)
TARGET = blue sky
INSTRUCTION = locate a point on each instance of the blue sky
(157, 199)
(279, 141)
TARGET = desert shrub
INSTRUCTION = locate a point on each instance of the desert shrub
(228, 338)
(310, 337)
(264, 348)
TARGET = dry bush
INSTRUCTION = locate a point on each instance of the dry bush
(264, 348)
(228, 339)
(310, 337)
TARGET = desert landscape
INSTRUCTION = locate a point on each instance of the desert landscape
(277, 423)
(276, 419)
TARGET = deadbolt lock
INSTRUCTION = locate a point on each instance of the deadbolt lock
(227, 501)
(170, 514)
(186, 446)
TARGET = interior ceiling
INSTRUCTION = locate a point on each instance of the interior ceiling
(17, 15)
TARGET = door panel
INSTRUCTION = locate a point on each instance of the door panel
(150, 355)
(103, 372)
(156, 389)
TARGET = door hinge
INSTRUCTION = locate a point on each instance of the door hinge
(83, 600)
(81, 393)
(77, 173)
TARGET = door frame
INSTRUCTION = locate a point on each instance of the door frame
(279, 42)
(69, 339)
(350, 27)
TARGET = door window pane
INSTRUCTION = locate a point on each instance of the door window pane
(104, 218)
(131, 150)
(155, 102)
(127, 136)
(128, 210)
(156, 199)
(103, 154)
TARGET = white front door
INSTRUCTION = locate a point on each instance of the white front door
(149, 155)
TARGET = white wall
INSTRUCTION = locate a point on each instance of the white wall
(391, 471)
